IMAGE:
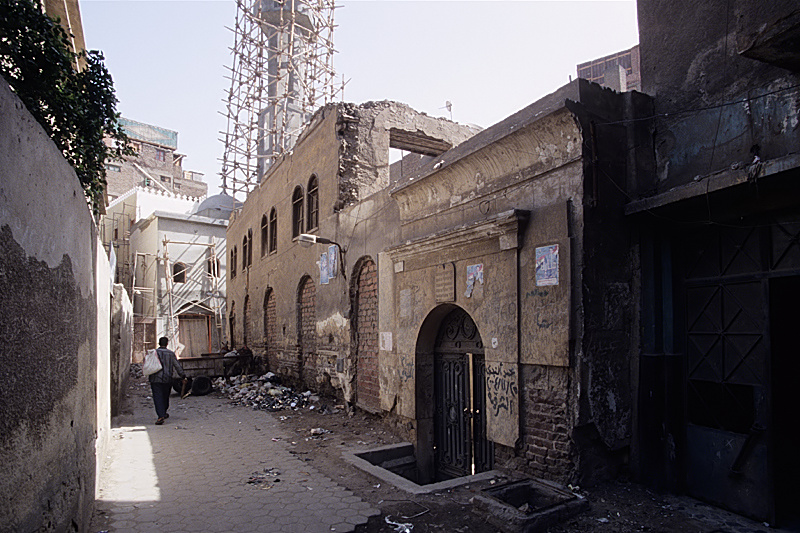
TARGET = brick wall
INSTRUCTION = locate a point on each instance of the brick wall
(247, 327)
(271, 332)
(547, 449)
(307, 332)
(367, 386)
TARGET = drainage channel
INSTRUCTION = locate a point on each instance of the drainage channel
(387, 463)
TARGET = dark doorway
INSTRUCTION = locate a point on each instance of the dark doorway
(461, 446)
(784, 295)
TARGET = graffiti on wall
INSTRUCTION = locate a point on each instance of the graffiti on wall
(406, 370)
(502, 389)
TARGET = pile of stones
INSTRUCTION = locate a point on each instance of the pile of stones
(266, 393)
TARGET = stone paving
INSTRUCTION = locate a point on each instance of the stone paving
(216, 468)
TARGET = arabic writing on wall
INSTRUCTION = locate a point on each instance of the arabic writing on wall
(502, 389)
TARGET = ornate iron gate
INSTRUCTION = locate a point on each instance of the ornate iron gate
(459, 383)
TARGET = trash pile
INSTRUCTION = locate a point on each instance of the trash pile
(266, 393)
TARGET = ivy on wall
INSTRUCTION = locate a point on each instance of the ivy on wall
(76, 108)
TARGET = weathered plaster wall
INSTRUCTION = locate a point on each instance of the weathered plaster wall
(563, 346)
(347, 148)
(534, 169)
(316, 153)
(51, 278)
(721, 108)
(121, 345)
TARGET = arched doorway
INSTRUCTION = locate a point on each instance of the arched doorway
(459, 395)
(246, 321)
(232, 324)
(451, 397)
(270, 333)
(307, 331)
(366, 342)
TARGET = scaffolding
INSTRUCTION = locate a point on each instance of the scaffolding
(212, 302)
(282, 72)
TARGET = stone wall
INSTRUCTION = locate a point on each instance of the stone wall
(54, 301)
(121, 345)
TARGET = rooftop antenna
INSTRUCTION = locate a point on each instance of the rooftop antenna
(449, 106)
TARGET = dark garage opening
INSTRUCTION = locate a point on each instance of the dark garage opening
(784, 300)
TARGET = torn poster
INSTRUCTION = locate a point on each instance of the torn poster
(474, 273)
(323, 269)
(333, 265)
(386, 341)
(547, 265)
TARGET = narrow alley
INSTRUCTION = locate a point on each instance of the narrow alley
(216, 465)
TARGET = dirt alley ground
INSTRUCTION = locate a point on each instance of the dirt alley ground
(616, 506)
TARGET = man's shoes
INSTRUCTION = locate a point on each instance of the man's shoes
(166, 416)
(160, 421)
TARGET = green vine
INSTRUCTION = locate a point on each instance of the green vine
(76, 108)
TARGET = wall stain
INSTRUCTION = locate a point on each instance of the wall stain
(40, 328)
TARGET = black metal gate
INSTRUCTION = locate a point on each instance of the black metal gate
(726, 278)
(459, 391)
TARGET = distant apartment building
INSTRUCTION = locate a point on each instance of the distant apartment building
(156, 164)
(619, 71)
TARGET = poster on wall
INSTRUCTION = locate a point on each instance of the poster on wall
(474, 274)
(323, 269)
(547, 265)
(333, 264)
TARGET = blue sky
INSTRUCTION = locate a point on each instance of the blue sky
(489, 58)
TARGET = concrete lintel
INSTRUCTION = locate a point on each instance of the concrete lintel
(714, 182)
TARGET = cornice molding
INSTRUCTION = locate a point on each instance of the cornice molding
(505, 227)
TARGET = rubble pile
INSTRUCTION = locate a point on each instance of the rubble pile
(266, 393)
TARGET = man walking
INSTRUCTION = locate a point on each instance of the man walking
(161, 381)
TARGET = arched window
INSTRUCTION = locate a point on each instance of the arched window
(273, 230)
(250, 247)
(264, 234)
(233, 262)
(312, 204)
(297, 211)
(179, 273)
(244, 252)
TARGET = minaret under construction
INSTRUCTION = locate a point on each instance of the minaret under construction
(282, 72)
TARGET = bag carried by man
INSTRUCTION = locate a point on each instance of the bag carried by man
(152, 363)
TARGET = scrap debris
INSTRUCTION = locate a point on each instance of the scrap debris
(399, 527)
(266, 393)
